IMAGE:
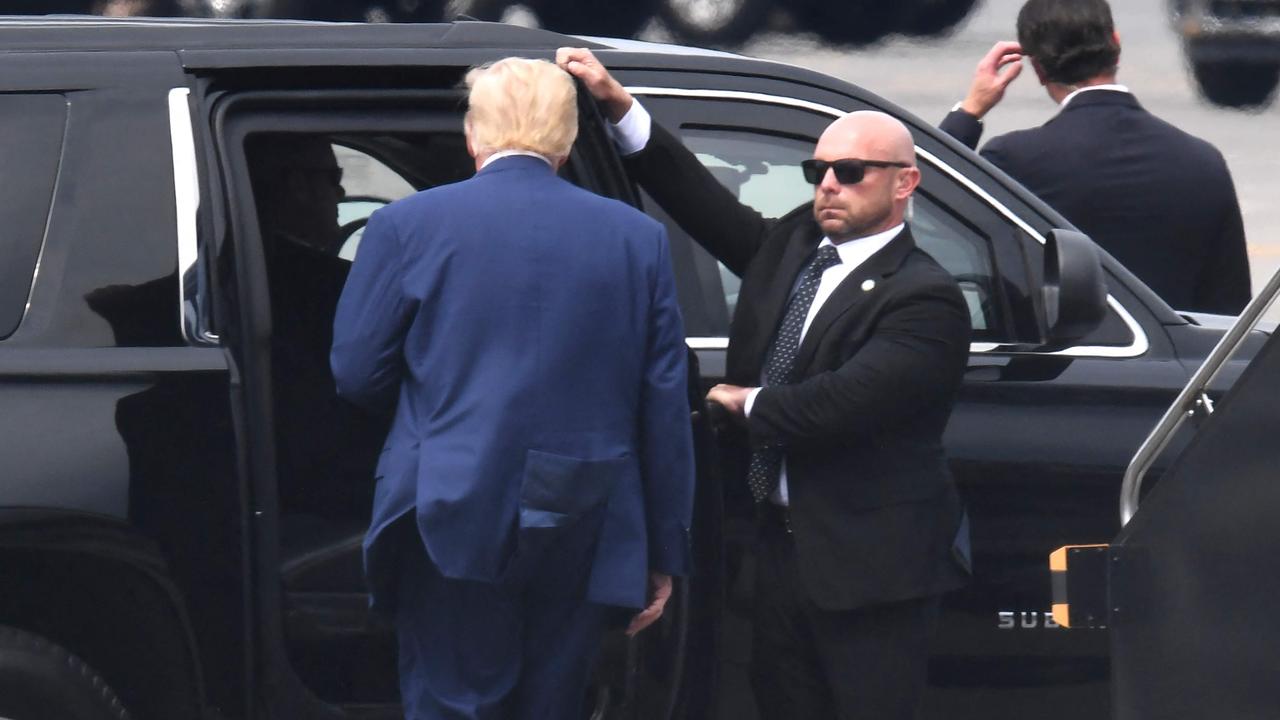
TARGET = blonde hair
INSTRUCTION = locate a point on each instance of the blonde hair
(522, 104)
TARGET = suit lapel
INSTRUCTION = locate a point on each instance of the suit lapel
(852, 290)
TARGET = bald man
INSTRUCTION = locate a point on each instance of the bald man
(845, 355)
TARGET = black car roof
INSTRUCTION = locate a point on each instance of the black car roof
(382, 42)
(76, 32)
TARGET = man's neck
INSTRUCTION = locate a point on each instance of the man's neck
(895, 226)
(1060, 91)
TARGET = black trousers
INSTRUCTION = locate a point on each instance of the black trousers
(807, 662)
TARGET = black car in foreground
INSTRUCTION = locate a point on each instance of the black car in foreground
(183, 498)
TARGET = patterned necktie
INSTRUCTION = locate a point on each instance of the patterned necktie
(779, 365)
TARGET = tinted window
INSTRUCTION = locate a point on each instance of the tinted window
(31, 131)
(762, 170)
(367, 184)
(965, 253)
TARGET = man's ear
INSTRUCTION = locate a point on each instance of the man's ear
(908, 181)
(466, 134)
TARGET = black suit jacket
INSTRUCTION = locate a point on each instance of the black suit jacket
(873, 506)
(1158, 199)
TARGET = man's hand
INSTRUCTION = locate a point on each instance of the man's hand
(582, 64)
(659, 593)
(999, 67)
(732, 397)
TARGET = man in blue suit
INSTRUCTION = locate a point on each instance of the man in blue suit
(539, 468)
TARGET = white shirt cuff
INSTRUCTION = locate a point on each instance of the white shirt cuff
(960, 106)
(631, 133)
(751, 400)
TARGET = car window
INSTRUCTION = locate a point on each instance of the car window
(32, 127)
(367, 184)
(964, 252)
(762, 171)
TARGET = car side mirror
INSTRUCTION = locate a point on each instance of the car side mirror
(1074, 293)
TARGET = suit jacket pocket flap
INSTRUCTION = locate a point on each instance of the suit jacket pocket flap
(557, 489)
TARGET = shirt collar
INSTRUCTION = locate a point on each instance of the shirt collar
(511, 153)
(1113, 87)
(856, 250)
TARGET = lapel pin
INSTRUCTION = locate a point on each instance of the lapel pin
(867, 285)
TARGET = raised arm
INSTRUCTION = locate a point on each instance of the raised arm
(995, 71)
(672, 175)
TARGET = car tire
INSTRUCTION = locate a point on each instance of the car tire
(858, 22)
(1237, 84)
(714, 22)
(926, 18)
(591, 17)
(40, 680)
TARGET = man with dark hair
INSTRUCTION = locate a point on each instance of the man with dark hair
(1158, 199)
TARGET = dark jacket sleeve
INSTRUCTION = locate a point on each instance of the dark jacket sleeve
(1223, 285)
(372, 318)
(709, 212)
(666, 439)
(914, 358)
(963, 127)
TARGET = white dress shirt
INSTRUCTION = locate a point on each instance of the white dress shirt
(631, 133)
(1087, 88)
(512, 153)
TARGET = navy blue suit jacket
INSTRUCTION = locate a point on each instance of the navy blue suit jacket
(1161, 201)
(526, 333)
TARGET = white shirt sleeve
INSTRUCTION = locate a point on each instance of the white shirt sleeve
(631, 133)
(751, 400)
(960, 106)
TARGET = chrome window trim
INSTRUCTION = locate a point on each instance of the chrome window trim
(1138, 347)
(48, 217)
(707, 343)
(186, 195)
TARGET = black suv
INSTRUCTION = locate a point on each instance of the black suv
(184, 498)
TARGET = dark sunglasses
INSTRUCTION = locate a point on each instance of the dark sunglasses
(848, 172)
